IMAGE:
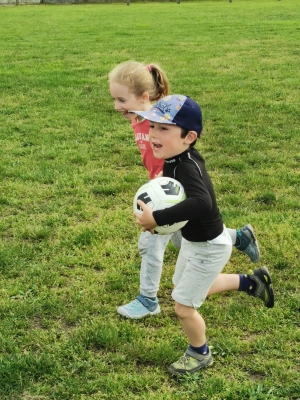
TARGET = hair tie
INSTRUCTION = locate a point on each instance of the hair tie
(149, 68)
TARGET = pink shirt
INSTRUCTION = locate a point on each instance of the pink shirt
(141, 135)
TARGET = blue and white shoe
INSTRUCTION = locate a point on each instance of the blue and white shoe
(248, 243)
(140, 307)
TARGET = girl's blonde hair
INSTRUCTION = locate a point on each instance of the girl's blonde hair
(141, 78)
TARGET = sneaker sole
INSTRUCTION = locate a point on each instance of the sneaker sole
(265, 272)
(270, 303)
(253, 237)
(125, 314)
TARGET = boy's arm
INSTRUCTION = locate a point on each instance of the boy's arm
(187, 210)
(198, 203)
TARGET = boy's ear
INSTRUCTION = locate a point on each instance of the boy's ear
(190, 137)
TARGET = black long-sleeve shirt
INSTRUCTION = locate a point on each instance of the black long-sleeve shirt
(200, 207)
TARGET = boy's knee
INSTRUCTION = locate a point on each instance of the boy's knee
(182, 311)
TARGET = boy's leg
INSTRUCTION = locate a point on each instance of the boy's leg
(259, 284)
(193, 324)
(224, 283)
(152, 249)
(197, 267)
(244, 240)
(197, 355)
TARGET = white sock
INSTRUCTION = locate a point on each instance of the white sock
(232, 233)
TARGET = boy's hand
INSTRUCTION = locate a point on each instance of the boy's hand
(159, 174)
(145, 220)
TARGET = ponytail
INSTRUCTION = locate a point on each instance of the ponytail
(162, 86)
(141, 78)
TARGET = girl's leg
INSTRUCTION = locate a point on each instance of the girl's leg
(244, 240)
(232, 233)
(177, 239)
(152, 249)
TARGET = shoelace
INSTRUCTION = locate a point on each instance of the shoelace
(184, 360)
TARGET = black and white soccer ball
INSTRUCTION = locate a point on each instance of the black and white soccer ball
(161, 193)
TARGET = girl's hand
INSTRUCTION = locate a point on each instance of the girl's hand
(159, 174)
(145, 220)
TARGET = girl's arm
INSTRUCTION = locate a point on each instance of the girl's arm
(145, 219)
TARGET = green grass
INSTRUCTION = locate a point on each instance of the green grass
(69, 170)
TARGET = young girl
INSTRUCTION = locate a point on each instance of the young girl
(134, 86)
(176, 123)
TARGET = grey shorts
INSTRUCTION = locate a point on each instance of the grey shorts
(197, 267)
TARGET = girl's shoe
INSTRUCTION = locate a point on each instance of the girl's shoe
(248, 243)
(140, 307)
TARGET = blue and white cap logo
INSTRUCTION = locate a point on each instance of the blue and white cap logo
(165, 110)
(175, 110)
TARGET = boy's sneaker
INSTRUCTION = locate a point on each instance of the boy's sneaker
(248, 243)
(264, 289)
(140, 308)
(191, 362)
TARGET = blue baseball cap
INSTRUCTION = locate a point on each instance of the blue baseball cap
(175, 110)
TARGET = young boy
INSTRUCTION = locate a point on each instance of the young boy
(175, 125)
(135, 86)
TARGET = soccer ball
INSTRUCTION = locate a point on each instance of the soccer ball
(161, 193)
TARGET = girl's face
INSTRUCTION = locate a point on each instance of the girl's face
(166, 140)
(125, 100)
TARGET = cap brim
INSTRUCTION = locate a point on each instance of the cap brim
(154, 117)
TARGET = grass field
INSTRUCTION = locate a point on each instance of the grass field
(69, 169)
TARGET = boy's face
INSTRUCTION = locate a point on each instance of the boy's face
(166, 140)
(125, 100)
